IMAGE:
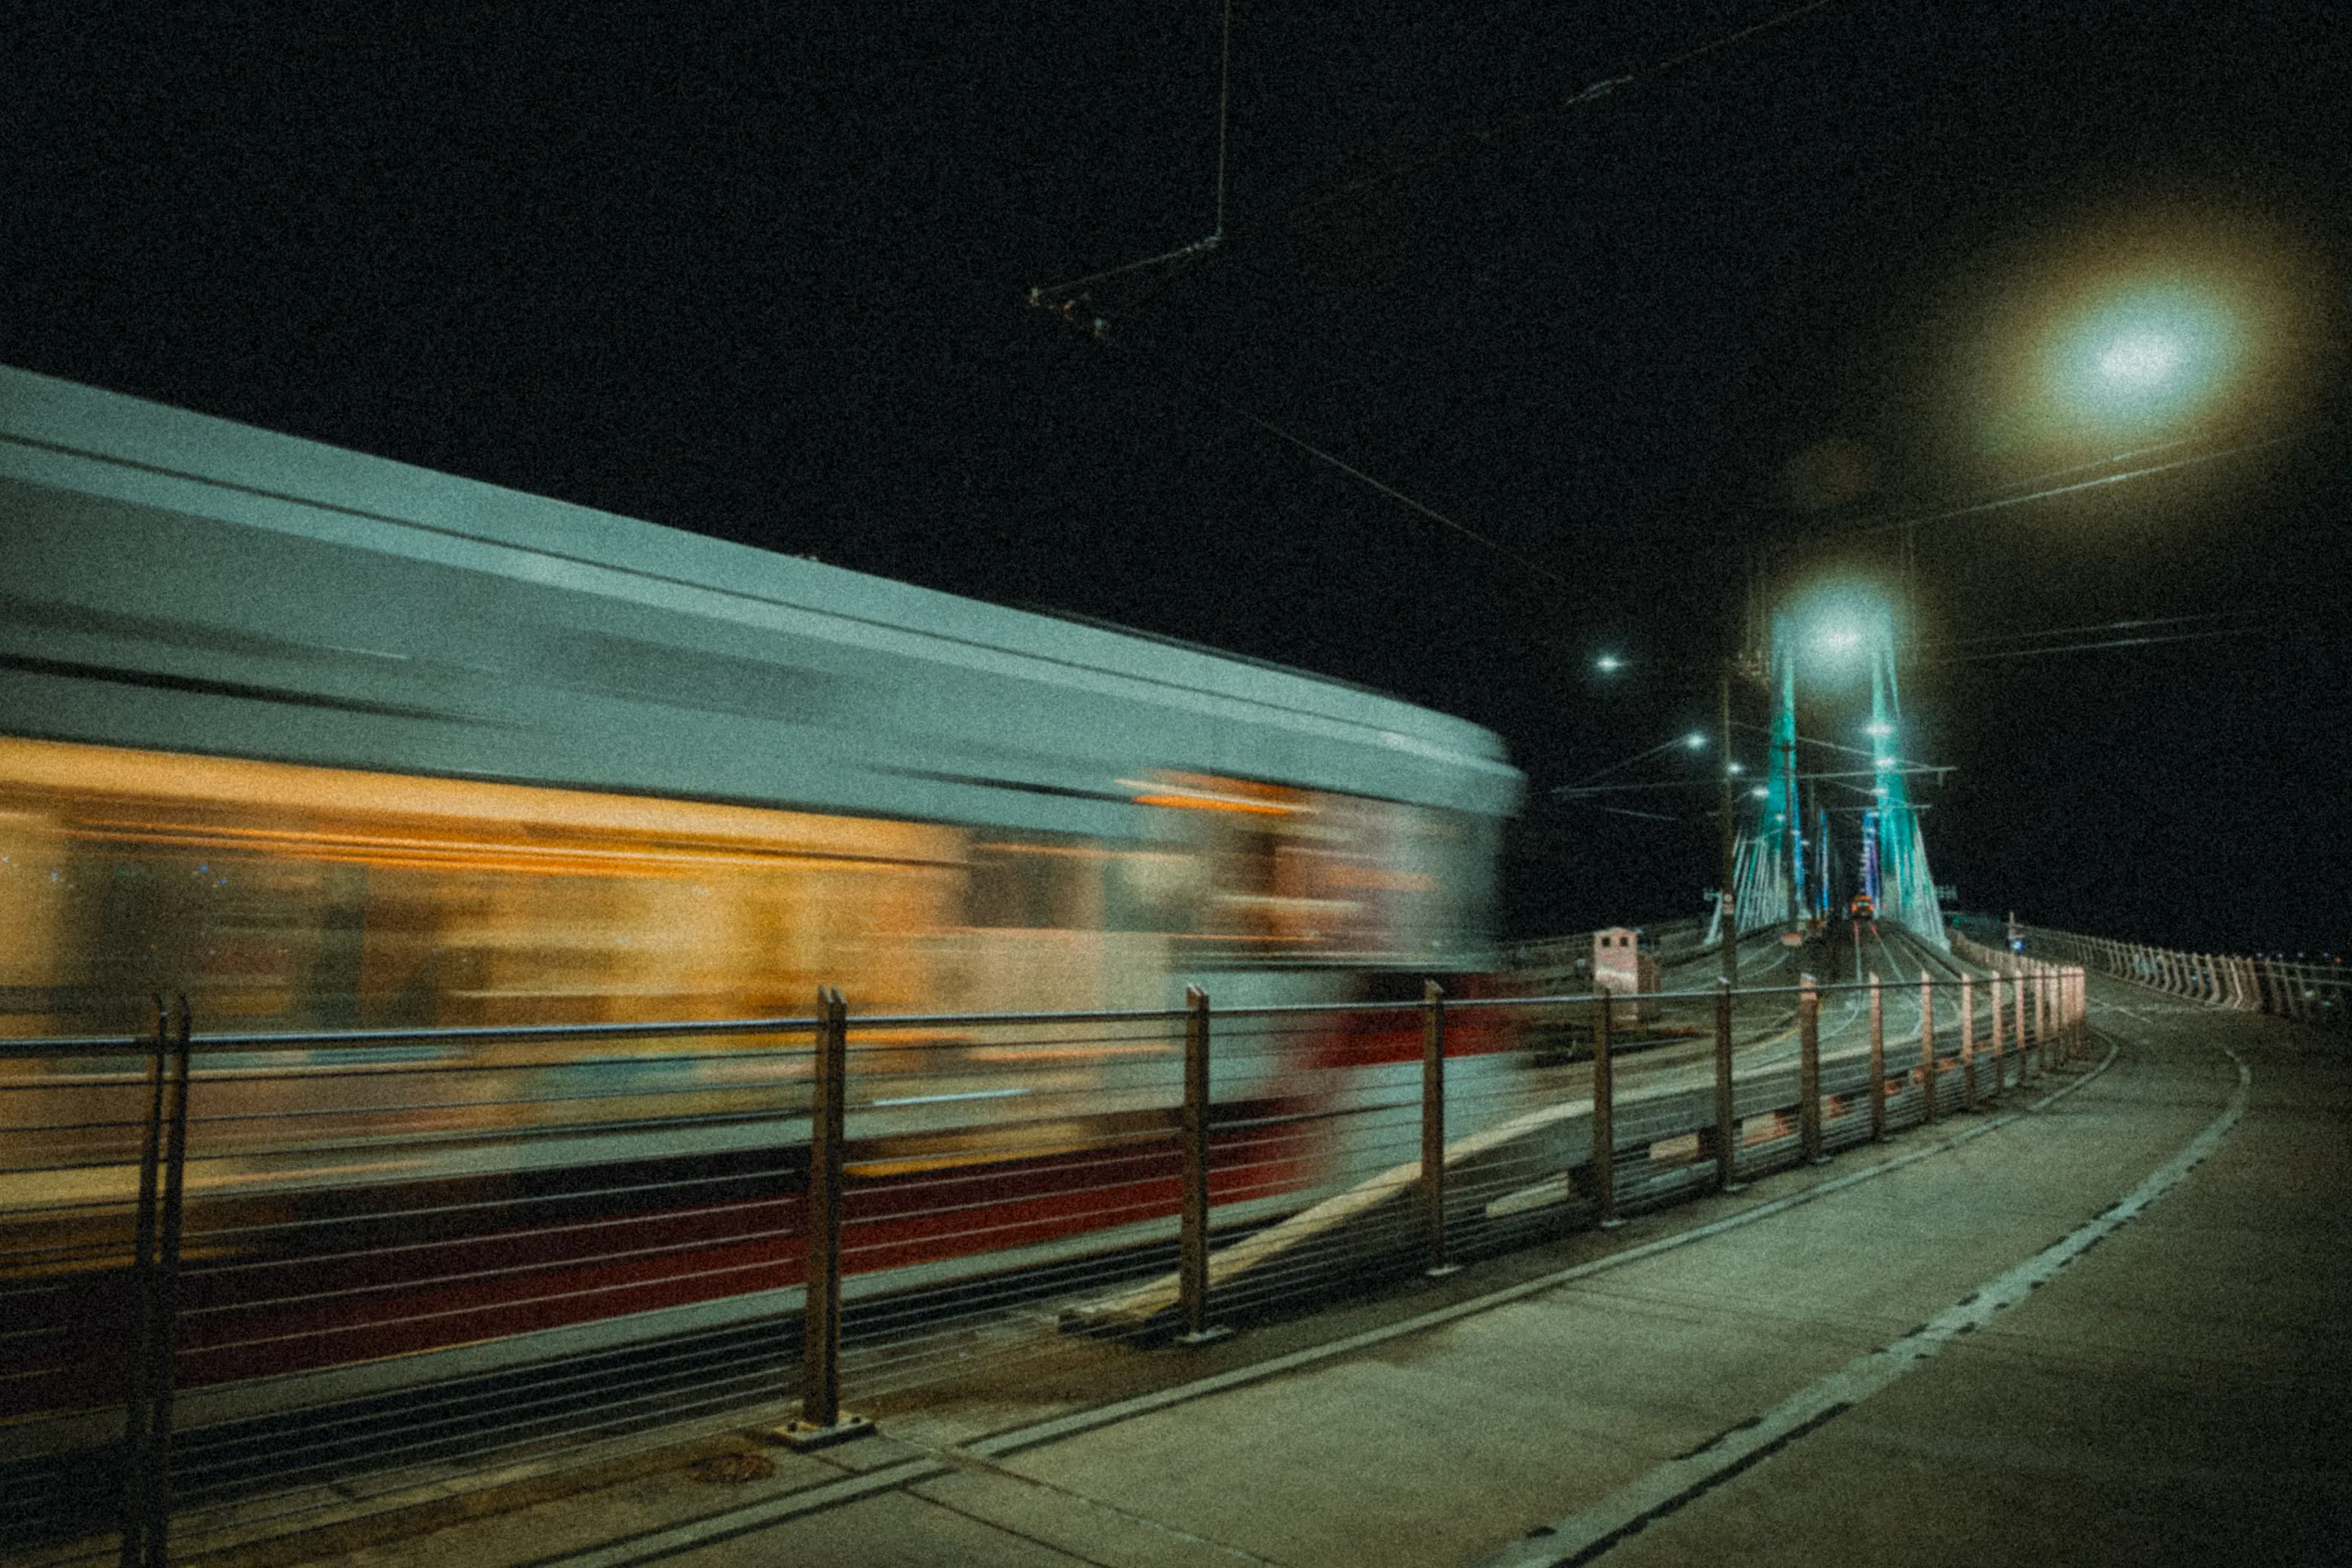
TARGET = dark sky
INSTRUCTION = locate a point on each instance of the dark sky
(762, 273)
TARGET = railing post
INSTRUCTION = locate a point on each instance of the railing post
(1927, 1046)
(1992, 998)
(169, 1219)
(1877, 1060)
(821, 1422)
(1432, 1124)
(2061, 1013)
(1808, 1070)
(1604, 1115)
(136, 1401)
(2068, 1044)
(146, 1516)
(1192, 1241)
(1727, 1113)
(2023, 1042)
(1968, 1043)
(2054, 1047)
(2040, 1045)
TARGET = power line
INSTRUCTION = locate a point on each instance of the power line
(1590, 92)
(2136, 623)
(1056, 295)
(1063, 297)
(2113, 642)
(2001, 502)
(1389, 491)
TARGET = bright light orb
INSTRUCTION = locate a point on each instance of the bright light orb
(2144, 357)
(1608, 664)
(1694, 741)
(1830, 630)
(2140, 360)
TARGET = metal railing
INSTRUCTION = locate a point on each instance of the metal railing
(247, 1275)
(2306, 992)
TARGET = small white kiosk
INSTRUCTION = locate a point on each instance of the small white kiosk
(1619, 964)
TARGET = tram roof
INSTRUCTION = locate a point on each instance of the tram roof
(758, 606)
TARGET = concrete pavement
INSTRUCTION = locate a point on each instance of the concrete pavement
(1820, 1368)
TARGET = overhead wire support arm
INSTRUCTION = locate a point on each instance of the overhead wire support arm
(1043, 295)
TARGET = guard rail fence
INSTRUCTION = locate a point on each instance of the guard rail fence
(2306, 992)
(247, 1277)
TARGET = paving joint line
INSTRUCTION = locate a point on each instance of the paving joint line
(1056, 1428)
(1593, 1531)
(1163, 1526)
(984, 1453)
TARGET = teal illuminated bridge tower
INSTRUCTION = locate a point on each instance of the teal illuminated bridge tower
(1782, 872)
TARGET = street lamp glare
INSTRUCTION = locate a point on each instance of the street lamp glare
(1694, 741)
(2142, 360)
(2146, 354)
(1608, 664)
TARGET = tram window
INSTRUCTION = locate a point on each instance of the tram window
(286, 899)
(1034, 886)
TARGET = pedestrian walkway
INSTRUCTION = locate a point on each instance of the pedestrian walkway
(2101, 1328)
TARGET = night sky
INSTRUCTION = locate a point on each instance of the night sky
(762, 271)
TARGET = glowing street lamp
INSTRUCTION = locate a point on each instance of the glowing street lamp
(2138, 357)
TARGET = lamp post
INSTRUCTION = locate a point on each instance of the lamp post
(1728, 899)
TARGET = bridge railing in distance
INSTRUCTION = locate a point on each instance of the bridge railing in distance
(247, 1278)
(2306, 992)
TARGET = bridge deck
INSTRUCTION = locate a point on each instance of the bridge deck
(1822, 1368)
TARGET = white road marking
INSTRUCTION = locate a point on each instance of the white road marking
(1581, 1537)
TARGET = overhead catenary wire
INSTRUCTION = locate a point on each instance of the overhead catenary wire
(1389, 491)
(1046, 294)
(1066, 298)
(2258, 630)
(2137, 622)
(1589, 93)
(2000, 503)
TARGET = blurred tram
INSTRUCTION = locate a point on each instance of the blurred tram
(328, 743)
